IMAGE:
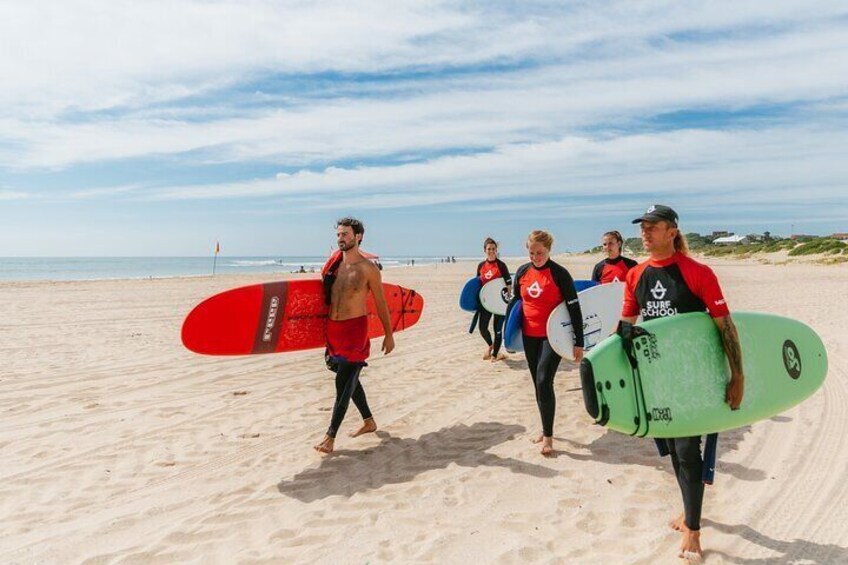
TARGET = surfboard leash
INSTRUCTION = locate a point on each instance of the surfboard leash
(628, 333)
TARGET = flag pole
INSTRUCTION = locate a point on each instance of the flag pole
(215, 259)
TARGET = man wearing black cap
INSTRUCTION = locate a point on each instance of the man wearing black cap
(671, 283)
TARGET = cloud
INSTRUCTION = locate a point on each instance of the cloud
(13, 195)
(717, 166)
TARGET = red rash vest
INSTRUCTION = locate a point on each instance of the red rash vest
(489, 271)
(677, 285)
(542, 290)
(612, 270)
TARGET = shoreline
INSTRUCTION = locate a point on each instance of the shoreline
(766, 259)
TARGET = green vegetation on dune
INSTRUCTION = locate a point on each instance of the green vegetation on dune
(821, 245)
(805, 245)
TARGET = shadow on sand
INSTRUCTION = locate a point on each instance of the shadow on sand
(618, 449)
(795, 551)
(399, 460)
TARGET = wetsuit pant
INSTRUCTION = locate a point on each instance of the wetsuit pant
(686, 457)
(347, 387)
(495, 344)
(543, 362)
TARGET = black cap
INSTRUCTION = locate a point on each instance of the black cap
(657, 213)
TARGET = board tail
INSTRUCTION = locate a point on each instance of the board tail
(596, 409)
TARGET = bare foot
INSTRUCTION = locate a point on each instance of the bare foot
(538, 439)
(488, 354)
(678, 524)
(499, 357)
(326, 446)
(368, 426)
(690, 547)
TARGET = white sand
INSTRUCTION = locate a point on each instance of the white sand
(119, 446)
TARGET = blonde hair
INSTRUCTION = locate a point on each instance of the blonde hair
(541, 236)
(680, 243)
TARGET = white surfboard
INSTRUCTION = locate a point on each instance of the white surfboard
(494, 296)
(601, 308)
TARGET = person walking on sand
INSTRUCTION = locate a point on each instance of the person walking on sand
(615, 267)
(542, 284)
(348, 278)
(670, 283)
(492, 269)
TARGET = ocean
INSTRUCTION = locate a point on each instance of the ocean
(97, 268)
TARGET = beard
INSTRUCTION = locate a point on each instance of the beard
(345, 246)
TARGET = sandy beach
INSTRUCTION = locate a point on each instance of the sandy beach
(120, 446)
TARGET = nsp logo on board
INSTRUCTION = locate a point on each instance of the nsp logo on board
(272, 317)
(661, 414)
(791, 359)
(506, 295)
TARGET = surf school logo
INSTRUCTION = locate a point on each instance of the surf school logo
(791, 359)
(534, 290)
(488, 275)
(272, 317)
(658, 292)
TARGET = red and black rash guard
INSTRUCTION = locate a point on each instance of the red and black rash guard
(612, 270)
(541, 290)
(487, 271)
(677, 285)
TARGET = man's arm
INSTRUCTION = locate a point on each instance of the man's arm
(375, 284)
(730, 341)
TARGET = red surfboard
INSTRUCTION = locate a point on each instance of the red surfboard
(282, 316)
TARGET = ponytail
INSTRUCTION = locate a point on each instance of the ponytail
(680, 244)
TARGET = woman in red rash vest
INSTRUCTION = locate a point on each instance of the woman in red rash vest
(614, 268)
(487, 271)
(542, 285)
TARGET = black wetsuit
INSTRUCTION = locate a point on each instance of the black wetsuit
(496, 268)
(347, 388)
(542, 290)
(656, 289)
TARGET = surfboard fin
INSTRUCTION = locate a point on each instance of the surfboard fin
(474, 322)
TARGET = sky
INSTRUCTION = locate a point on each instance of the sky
(157, 128)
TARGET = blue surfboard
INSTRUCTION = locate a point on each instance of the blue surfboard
(584, 284)
(512, 327)
(469, 298)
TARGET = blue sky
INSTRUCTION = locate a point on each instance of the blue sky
(157, 128)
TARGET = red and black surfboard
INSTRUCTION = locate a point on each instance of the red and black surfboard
(282, 316)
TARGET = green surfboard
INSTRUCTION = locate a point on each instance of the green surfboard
(677, 388)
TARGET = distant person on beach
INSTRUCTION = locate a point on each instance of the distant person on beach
(348, 279)
(667, 284)
(542, 285)
(614, 268)
(488, 270)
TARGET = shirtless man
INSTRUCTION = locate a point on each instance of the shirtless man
(348, 279)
